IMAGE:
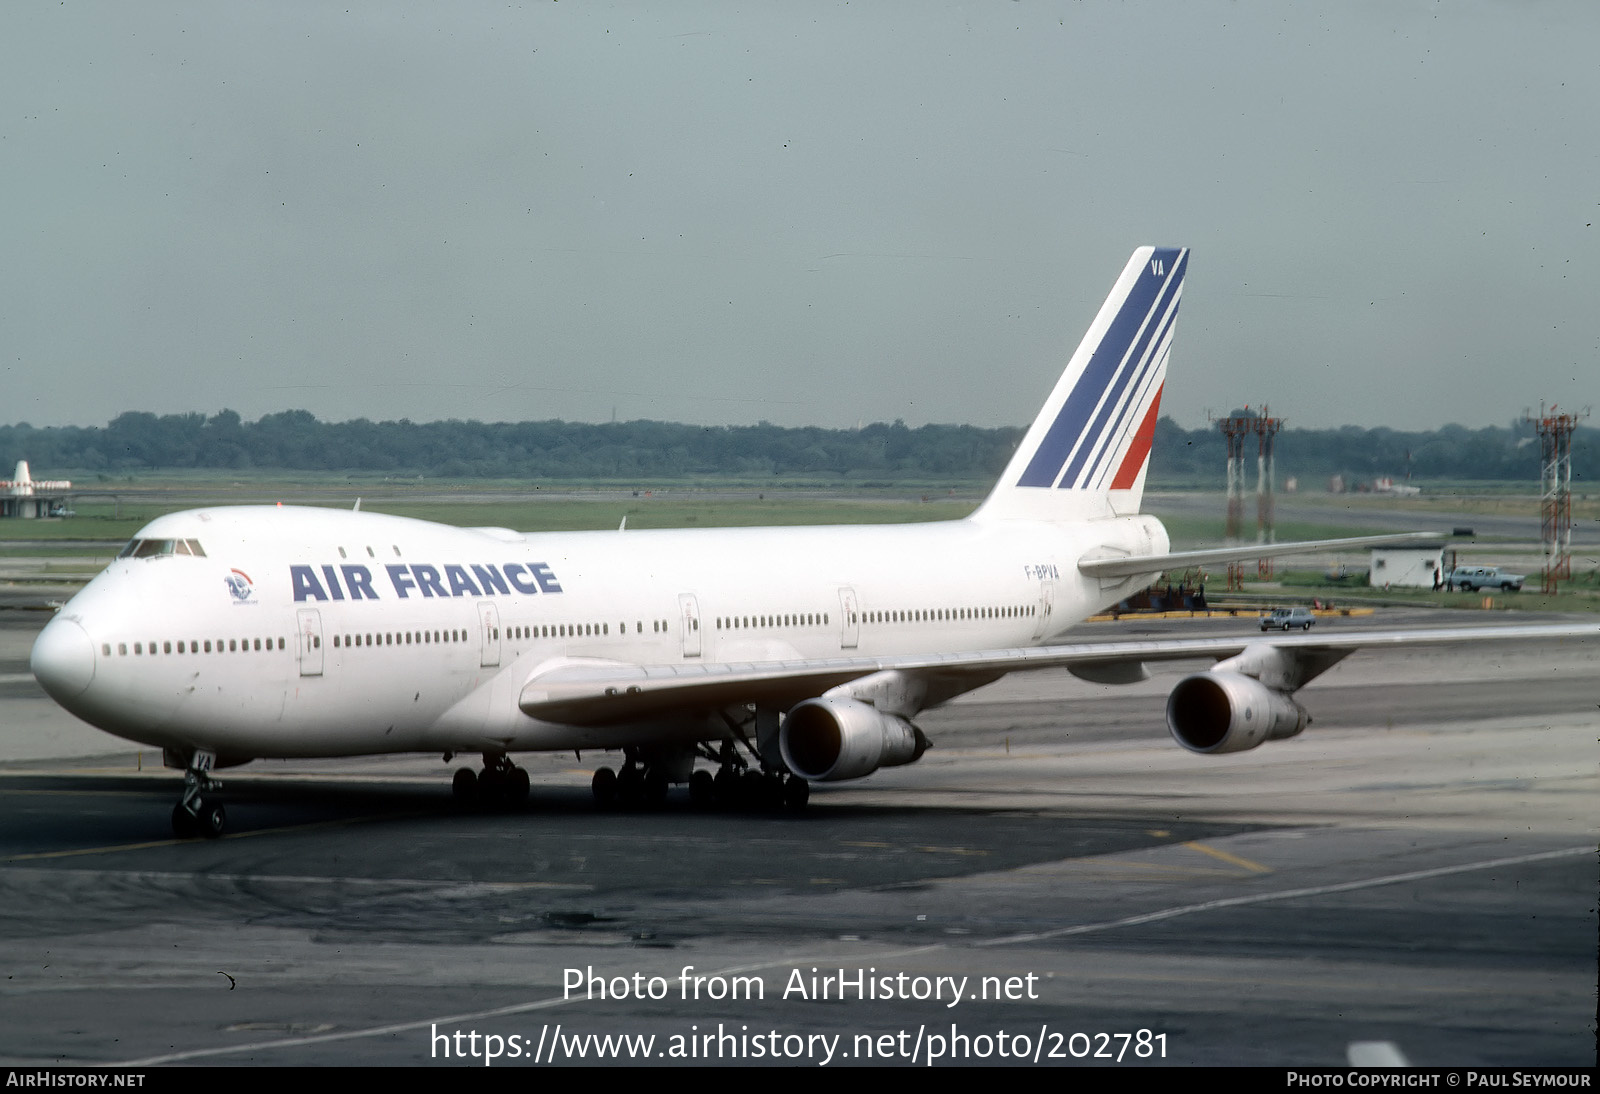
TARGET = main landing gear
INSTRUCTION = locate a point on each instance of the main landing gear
(644, 778)
(199, 812)
(500, 783)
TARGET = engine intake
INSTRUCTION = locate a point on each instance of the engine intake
(832, 738)
(1216, 712)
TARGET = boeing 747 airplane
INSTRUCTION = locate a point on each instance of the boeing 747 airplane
(777, 656)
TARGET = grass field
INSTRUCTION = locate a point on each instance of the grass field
(98, 522)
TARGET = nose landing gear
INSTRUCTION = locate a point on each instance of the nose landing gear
(199, 812)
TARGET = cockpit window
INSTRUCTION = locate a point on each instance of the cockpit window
(155, 548)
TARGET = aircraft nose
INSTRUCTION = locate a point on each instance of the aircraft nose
(63, 659)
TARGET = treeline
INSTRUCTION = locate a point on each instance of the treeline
(296, 441)
(1454, 452)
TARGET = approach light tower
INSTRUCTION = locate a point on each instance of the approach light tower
(1555, 444)
(1236, 428)
(1266, 429)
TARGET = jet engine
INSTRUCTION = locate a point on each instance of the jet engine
(834, 737)
(1216, 712)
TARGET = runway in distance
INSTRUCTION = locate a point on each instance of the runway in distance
(777, 656)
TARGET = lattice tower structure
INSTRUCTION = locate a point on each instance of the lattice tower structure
(1555, 491)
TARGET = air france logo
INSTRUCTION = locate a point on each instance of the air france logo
(355, 582)
(239, 584)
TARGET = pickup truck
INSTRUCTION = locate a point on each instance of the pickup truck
(1468, 578)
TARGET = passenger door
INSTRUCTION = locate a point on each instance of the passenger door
(689, 618)
(489, 632)
(310, 641)
(850, 618)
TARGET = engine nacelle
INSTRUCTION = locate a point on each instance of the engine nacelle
(1216, 712)
(833, 738)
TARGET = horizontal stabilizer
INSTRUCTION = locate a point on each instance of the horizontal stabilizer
(1132, 565)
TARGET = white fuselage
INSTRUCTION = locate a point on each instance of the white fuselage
(315, 632)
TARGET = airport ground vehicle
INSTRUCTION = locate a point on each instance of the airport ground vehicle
(1284, 619)
(1471, 578)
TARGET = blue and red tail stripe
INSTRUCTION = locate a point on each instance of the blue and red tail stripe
(1081, 446)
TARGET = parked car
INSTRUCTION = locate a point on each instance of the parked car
(1468, 578)
(1287, 619)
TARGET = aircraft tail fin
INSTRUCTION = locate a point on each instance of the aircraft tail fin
(1086, 454)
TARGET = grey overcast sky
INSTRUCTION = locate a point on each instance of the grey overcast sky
(810, 213)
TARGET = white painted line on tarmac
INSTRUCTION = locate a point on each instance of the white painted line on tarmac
(1282, 894)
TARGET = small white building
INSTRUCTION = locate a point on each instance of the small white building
(1420, 564)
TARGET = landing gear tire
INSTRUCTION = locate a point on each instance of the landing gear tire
(604, 787)
(465, 785)
(725, 787)
(753, 790)
(491, 785)
(702, 790)
(796, 792)
(213, 819)
(517, 785)
(630, 785)
(183, 823)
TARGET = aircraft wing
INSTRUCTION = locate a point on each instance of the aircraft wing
(1132, 565)
(606, 693)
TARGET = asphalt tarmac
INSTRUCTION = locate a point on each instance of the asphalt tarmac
(1054, 883)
